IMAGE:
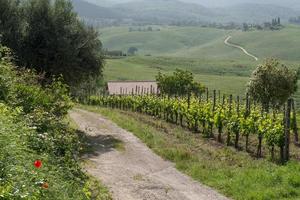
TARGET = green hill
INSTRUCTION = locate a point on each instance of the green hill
(167, 41)
(206, 43)
(200, 50)
(284, 44)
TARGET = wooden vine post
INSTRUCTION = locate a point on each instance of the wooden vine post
(286, 155)
(207, 95)
(228, 132)
(237, 136)
(294, 125)
(213, 112)
(247, 113)
(214, 101)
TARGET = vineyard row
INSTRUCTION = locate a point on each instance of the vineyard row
(217, 119)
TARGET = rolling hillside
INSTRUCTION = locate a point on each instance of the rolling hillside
(90, 11)
(190, 42)
(206, 43)
(283, 44)
(200, 50)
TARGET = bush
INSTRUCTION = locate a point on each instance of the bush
(31, 128)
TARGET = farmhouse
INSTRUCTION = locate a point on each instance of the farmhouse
(132, 87)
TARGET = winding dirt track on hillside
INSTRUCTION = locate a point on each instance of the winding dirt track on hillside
(239, 47)
(135, 173)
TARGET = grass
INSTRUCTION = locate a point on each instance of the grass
(97, 190)
(201, 51)
(233, 173)
(228, 76)
(169, 40)
(282, 44)
(205, 43)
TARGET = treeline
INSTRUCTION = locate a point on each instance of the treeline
(275, 24)
(143, 29)
(119, 53)
(47, 35)
(295, 20)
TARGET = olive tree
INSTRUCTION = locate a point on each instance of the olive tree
(272, 83)
(181, 83)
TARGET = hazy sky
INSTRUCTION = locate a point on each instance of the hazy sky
(215, 3)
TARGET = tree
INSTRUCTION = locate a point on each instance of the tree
(54, 41)
(272, 83)
(10, 23)
(132, 50)
(181, 83)
(245, 27)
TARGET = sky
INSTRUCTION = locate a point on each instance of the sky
(221, 3)
(295, 4)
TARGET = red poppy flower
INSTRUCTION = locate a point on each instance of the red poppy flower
(38, 163)
(45, 185)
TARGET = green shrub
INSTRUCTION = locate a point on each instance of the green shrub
(31, 128)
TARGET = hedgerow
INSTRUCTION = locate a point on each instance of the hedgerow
(32, 128)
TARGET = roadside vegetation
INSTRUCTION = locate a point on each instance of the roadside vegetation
(39, 152)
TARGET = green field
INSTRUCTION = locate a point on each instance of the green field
(200, 50)
(215, 75)
(206, 43)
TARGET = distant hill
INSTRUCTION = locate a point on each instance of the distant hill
(170, 11)
(164, 11)
(144, 11)
(91, 11)
(253, 13)
(107, 3)
(294, 4)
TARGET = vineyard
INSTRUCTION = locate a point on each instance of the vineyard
(227, 120)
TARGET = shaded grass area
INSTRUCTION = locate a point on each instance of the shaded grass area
(233, 173)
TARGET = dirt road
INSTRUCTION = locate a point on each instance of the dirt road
(239, 47)
(135, 173)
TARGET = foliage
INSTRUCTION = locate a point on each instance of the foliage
(48, 37)
(181, 83)
(201, 114)
(272, 84)
(31, 128)
(132, 50)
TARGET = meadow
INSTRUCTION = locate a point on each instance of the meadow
(201, 51)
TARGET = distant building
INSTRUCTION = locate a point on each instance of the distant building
(132, 87)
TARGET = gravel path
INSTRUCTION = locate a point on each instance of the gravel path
(239, 47)
(135, 173)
